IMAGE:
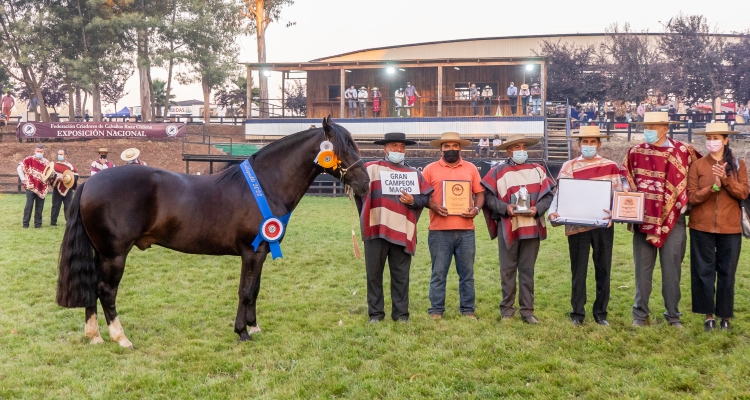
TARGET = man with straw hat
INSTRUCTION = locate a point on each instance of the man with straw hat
(659, 168)
(130, 156)
(581, 239)
(36, 177)
(452, 235)
(362, 100)
(389, 218)
(66, 180)
(101, 163)
(521, 232)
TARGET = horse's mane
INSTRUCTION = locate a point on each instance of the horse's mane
(341, 139)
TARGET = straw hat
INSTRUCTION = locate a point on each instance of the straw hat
(130, 154)
(656, 118)
(717, 128)
(397, 137)
(449, 137)
(362, 88)
(534, 84)
(517, 139)
(375, 88)
(103, 150)
(49, 169)
(590, 132)
(68, 179)
(524, 86)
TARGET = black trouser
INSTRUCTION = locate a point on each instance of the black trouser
(399, 263)
(32, 199)
(487, 102)
(513, 104)
(57, 200)
(713, 264)
(601, 241)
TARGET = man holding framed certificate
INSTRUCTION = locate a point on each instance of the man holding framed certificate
(517, 195)
(659, 168)
(457, 198)
(581, 239)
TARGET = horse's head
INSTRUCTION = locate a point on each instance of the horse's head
(351, 171)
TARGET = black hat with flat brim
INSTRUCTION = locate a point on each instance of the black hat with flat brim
(395, 137)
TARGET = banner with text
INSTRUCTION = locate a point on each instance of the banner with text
(99, 130)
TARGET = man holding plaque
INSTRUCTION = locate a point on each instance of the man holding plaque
(517, 195)
(581, 239)
(389, 218)
(659, 168)
(457, 198)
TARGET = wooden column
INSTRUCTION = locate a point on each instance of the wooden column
(248, 101)
(440, 92)
(543, 109)
(283, 97)
(343, 84)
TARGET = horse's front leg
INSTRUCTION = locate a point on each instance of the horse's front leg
(252, 265)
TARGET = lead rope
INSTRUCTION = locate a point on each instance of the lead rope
(350, 192)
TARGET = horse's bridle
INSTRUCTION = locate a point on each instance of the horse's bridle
(343, 170)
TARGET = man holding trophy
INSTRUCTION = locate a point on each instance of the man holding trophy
(582, 238)
(517, 194)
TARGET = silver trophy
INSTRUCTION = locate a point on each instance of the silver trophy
(522, 201)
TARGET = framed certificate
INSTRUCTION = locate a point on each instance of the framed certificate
(582, 202)
(628, 207)
(457, 196)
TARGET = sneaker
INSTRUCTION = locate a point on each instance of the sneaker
(576, 322)
(436, 316)
(602, 322)
(375, 320)
(639, 323)
(677, 325)
(530, 320)
(725, 325)
(469, 315)
(709, 325)
(403, 320)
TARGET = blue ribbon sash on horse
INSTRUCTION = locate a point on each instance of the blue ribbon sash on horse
(272, 228)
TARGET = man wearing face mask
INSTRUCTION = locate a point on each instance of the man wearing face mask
(389, 229)
(36, 177)
(102, 163)
(62, 194)
(452, 236)
(659, 168)
(581, 239)
(521, 233)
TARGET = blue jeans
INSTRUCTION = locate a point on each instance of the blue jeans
(536, 103)
(444, 245)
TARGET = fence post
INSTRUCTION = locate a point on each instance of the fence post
(630, 130)
(690, 130)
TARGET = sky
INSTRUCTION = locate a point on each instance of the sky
(329, 27)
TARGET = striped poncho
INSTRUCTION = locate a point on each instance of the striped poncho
(384, 216)
(504, 181)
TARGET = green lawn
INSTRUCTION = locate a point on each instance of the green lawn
(178, 310)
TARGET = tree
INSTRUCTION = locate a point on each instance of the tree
(572, 73)
(210, 49)
(737, 61)
(112, 86)
(54, 93)
(235, 94)
(260, 14)
(160, 97)
(295, 97)
(632, 63)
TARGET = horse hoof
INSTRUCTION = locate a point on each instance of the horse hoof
(126, 344)
(244, 337)
(254, 329)
(97, 340)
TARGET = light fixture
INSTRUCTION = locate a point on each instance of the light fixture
(529, 67)
(391, 70)
(266, 73)
(401, 69)
(347, 70)
(456, 68)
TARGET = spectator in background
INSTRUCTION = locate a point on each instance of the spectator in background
(64, 186)
(101, 163)
(483, 147)
(487, 98)
(411, 97)
(474, 96)
(536, 98)
(7, 102)
(362, 100)
(398, 98)
(583, 118)
(36, 177)
(524, 93)
(672, 112)
(376, 95)
(513, 98)
(130, 156)
(641, 110)
(351, 97)
(602, 118)
(496, 142)
(86, 117)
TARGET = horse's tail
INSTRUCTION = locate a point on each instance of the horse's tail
(77, 279)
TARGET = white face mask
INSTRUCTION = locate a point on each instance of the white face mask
(39, 155)
(520, 156)
(395, 157)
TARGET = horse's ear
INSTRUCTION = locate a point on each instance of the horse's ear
(328, 128)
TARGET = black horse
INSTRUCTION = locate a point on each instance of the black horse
(119, 208)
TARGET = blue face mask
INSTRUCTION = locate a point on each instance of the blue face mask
(650, 136)
(588, 152)
(395, 157)
(39, 155)
(520, 156)
(60, 158)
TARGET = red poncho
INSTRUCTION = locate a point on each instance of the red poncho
(33, 168)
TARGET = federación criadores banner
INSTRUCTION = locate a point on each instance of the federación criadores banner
(99, 130)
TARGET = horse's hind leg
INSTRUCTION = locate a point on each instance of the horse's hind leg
(252, 266)
(92, 326)
(111, 270)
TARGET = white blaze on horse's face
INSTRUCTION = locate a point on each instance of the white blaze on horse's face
(117, 334)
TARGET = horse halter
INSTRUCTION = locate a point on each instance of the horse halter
(327, 159)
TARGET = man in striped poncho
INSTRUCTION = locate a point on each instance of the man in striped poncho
(590, 165)
(521, 233)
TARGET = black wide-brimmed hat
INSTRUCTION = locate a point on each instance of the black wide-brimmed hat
(392, 137)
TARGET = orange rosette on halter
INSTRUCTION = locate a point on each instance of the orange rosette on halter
(327, 159)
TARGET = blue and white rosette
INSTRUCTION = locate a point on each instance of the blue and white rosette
(272, 228)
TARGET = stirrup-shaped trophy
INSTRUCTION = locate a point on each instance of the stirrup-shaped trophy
(522, 201)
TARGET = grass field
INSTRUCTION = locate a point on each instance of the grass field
(178, 310)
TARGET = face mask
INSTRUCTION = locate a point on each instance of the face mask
(395, 157)
(520, 156)
(650, 136)
(714, 146)
(408, 85)
(39, 155)
(103, 157)
(60, 158)
(451, 156)
(588, 151)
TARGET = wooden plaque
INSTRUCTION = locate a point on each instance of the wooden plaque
(457, 196)
(628, 207)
